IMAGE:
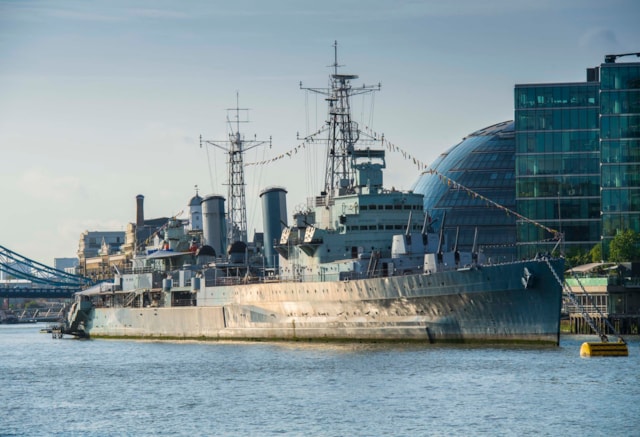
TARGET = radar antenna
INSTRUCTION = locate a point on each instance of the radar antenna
(235, 147)
(343, 132)
(611, 59)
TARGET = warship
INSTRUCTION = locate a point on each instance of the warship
(359, 262)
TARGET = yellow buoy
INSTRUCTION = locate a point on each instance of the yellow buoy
(604, 349)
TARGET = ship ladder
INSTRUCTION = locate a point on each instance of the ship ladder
(131, 297)
(373, 263)
(593, 349)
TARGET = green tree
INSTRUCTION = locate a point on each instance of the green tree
(576, 257)
(624, 246)
(595, 253)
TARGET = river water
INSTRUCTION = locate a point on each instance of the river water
(68, 387)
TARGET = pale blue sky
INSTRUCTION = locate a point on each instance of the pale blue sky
(103, 100)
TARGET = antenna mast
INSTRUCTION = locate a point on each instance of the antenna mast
(235, 147)
(343, 131)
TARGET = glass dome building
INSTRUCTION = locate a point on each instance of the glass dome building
(484, 162)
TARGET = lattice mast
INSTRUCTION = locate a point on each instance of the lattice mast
(235, 147)
(343, 132)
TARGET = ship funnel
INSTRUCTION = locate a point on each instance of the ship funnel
(214, 228)
(274, 216)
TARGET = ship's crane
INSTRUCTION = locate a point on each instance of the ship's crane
(611, 59)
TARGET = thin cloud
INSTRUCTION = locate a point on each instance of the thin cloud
(599, 39)
(474, 8)
(41, 185)
(86, 12)
(158, 13)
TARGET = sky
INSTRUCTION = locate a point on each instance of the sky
(103, 100)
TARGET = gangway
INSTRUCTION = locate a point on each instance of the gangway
(593, 349)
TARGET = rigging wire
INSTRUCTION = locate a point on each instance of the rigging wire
(421, 166)
(373, 98)
(256, 184)
(308, 176)
(213, 188)
(319, 155)
(311, 156)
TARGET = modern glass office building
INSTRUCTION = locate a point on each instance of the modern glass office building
(620, 147)
(484, 163)
(578, 158)
(557, 164)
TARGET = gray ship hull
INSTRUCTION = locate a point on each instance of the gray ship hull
(512, 303)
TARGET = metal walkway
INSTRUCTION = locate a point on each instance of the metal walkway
(40, 280)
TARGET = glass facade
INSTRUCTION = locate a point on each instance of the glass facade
(483, 162)
(620, 148)
(570, 161)
(557, 154)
